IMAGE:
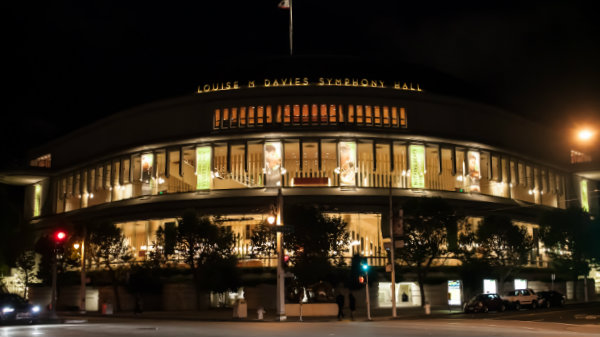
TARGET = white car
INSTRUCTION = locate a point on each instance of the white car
(521, 297)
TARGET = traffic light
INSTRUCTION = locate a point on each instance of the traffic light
(361, 279)
(285, 261)
(60, 236)
(365, 267)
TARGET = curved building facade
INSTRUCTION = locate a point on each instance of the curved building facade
(343, 143)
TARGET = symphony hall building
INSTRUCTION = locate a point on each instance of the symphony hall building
(344, 143)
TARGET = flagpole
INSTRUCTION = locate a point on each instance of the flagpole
(291, 31)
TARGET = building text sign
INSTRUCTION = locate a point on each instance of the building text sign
(305, 82)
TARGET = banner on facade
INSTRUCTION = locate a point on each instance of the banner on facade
(454, 292)
(203, 171)
(474, 171)
(347, 153)
(272, 164)
(417, 166)
(584, 195)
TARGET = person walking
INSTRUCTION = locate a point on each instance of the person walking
(340, 302)
(352, 303)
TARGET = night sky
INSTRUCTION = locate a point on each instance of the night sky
(67, 64)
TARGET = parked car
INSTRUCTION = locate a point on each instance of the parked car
(522, 297)
(14, 308)
(551, 298)
(484, 303)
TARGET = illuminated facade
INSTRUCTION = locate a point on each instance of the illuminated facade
(341, 143)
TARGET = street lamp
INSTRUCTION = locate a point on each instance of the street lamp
(585, 134)
(280, 271)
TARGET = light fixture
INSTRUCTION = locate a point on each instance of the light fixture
(76, 245)
(585, 134)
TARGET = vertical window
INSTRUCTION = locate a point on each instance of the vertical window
(310, 159)
(351, 114)
(243, 116)
(328, 161)
(161, 168)
(341, 117)
(256, 165)
(377, 115)
(296, 114)
(219, 166)
(225, 120)
(279, 114)
(286, 114)
(403, 122)
(291, 163)
(365, 164)
(386, 116)
(323, 109)
(126, 170)
(260, 115)
(237, 169)
(234, 117)
(305, 114)
(395, 117)
(359, 115)
(269, 114)
(383, 162)
(175, 180)
(251, 111)
(189, 169)
(332, 114)
(314, 114)
(368, 115)
(217, 118)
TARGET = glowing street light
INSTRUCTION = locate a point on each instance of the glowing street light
(585, 134)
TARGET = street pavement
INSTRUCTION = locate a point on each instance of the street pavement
(431, 327)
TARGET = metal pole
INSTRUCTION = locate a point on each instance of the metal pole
(54, 298)
(392, 258)
(291, 31)
(368, 299)
(280, 271)
(83, 276)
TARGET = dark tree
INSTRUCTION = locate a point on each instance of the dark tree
(208, 251)
(108, 247)
(316, 241)
(26, 265)
(571, 237)
(473, 267)
(263, 239)
(427, 222)
(504, 245)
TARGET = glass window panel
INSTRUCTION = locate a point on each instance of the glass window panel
(328, 161)
(341, 113)
(365, 164)
(314, 114)
(323, 109)
(161, 179)
(237, 166)
(395, 116)
(310, 159)
(305, 114)
(383, 172)
(287, 114)
(251, 111)
(243, 116)
(260, 115)
(126, 170)
(359, 115)
(368, 115)
(220, 165)
(217, 118)
(350, 113)
(448, 180)
(225, 120)
(291, 161)
(403, 117)
(332, 113)
(377, 115)
(175, 180)
(296, 114)
(234, 117)
(269, 114)
(386, 116)
(279, 114)
(117, 190)
(189, 169)
(255, 165)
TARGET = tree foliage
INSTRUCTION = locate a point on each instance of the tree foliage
(427, 222)
(504, 245)
(264, 240)
(107, 246)
(316, 241)
(26, 266)
(208, 250)
(571, 237)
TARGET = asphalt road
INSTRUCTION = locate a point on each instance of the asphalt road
(435, 327)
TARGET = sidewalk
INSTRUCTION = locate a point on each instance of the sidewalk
(222, 315)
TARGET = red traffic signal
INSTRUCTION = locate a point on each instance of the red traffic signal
(60, 236)
(361, 279)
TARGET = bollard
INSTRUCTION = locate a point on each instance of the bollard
(260, 313)
(427, 308)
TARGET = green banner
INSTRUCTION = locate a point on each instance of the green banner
(417, 166)
(584, 195)
(37, 200)
(203, 157)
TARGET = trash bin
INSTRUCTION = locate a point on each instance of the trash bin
(240, 309)
(427, 308)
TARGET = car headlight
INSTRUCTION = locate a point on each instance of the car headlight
(7, 310)
(36, 308)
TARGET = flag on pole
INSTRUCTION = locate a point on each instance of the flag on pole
(284, 4)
